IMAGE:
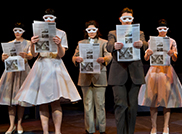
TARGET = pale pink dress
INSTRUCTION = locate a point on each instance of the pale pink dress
(162, 87)
(11, 82)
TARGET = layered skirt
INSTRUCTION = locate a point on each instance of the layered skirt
(162, 88)
(47, 81)
(10, 84)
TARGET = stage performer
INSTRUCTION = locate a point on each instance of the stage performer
(162, 87)
(125, 78)
(94, 85)
(11, 82)
(48, 81)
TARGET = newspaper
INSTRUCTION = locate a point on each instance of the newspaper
(90, 53)
(14, 64)
(160, 46)
(46, 31)
(128, 34)
(12, 48)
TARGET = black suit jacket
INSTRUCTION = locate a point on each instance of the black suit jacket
(118, 74)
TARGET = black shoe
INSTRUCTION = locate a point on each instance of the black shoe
(88, 132)
(102, 132)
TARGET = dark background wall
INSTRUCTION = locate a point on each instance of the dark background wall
(72, 15)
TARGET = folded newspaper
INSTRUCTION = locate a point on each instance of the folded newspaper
(14, 62)
(128, 34)
(46, 31)
(90, 53)
(160, 46)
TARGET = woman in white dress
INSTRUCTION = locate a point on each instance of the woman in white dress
(11, 82)
(49, 82)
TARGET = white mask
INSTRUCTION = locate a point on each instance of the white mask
(91, 30)
(127, 18)
(49, 17)
(162, 29)
(18, 30)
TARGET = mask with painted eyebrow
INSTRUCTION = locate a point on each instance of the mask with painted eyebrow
(49, 17)
(18, 30)
(127, 18)
(91, 30)
(162, 29)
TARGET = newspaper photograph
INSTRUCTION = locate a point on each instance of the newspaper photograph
(14, 64)
(46, 31)
(128, 34)
(160, 46)
(90, 53)
(12, 48)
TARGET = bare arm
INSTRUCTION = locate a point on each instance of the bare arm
(34, 40)
(61, 50)
(148, 53)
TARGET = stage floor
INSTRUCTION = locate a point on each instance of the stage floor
(73, 123)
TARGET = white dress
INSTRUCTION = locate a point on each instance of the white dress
(11, 81)
(48, 80)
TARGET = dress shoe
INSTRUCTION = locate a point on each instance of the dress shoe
(11, 131)
(167, 132)
(154, 132)
(20, 131)
(88, 132)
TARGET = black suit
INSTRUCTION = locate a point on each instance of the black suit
(125, 79)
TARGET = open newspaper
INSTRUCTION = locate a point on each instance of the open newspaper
(128, 34)
(90, 53)
(160, 46)
(14, 62)
(46, 31)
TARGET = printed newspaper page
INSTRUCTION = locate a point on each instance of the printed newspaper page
(128, 34)
(12, 48)
(14, 64)
(46, 31)
(160, 46)
(90, 53)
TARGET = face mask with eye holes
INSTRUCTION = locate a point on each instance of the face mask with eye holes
(91, 30)
(18, 30)
(162, 29)
(127, 18)
(49, 17)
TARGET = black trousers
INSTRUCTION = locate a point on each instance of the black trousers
(126, 105)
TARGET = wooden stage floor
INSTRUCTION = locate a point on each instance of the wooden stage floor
(73, 123)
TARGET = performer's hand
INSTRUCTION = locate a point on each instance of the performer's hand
(4, 56)
(79, 59)
(118, 45)
(138, 44)
(57, 40)
(170, 52)
(23, 54)
(100, 60)
(149, 52)
(34, 39)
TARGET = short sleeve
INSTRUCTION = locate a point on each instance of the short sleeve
(62, 35)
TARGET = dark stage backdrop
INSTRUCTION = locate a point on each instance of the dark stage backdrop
(72, 15)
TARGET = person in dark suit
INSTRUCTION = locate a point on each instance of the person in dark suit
(125, 78)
